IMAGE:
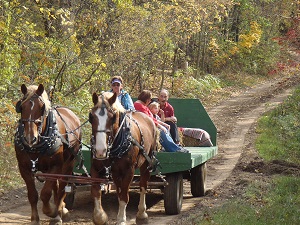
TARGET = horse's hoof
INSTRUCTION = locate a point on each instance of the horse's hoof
(100, 218)
(66, 215)
(142, 216)
(50, 210)
(140, 221)
(34, 223)
(122, 223)
(56, 221)
(101, 223)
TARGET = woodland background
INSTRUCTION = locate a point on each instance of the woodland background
(194, 48)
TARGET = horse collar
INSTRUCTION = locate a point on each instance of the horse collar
(122, 139)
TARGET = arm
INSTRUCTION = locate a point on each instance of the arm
(127, 102)
(162, 115)
(146, 110)
(170, 115)
(161, 123)
(164, 129)
(172, 119)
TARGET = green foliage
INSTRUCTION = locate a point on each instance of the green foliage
(77, 47)
(10, 177)
(196, 88)
(265, 203)
(280, 131)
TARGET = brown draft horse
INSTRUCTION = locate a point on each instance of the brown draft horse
(123, 141)
(47, 140)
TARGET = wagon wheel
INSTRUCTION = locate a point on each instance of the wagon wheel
(198, 180)
(70, 197)
(173, 193)
(69, 200)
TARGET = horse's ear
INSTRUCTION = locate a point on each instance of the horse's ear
(95, 98)
(18, 106)
(113, 99)
(24, 89)
(40, 90)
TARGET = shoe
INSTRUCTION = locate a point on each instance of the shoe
(183, 150)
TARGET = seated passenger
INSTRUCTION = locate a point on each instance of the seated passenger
(154, 108)
(166, 141)
(168, 110)
(123, 96)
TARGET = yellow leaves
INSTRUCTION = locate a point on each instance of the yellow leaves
(253, 37)
(213, 46)
(175, 2)
(234, 50)
(47, 12)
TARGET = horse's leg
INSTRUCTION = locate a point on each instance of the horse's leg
(99, 216)
(122, 184)
(63, 212)
(49, 208)
(57, 211)
(59, 201)
(32, 195)
(144, 177)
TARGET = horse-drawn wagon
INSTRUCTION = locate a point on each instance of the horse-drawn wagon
(123, 153)
(173, 168)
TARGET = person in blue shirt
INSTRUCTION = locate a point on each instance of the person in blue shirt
(117, 87)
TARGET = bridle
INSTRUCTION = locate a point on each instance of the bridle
(40, 120)
(109, 132)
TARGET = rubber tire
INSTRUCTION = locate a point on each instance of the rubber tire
(198, 180)
(173, 193)
(69, 200)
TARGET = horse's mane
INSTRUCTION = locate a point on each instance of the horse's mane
(31, 91)
(117, 106)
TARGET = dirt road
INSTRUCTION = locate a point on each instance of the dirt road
(234, 119)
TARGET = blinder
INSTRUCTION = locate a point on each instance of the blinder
(18, 106)
(90, 117)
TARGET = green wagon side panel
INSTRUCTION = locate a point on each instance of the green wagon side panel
(170, 161)
(191, 113)
(201, 154)
(86, 153)
(175, 162)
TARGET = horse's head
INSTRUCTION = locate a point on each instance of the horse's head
(104, 119)
(34, 108)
